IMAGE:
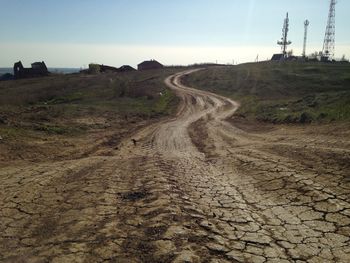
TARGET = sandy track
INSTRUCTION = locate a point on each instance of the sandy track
(194, 189)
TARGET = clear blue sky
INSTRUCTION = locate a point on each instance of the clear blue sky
(74, 32)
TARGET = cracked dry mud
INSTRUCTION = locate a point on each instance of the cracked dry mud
(195, 188)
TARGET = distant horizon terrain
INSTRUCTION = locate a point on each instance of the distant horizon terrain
(67, 70)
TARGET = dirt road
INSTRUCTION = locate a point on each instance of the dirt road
(191, 189)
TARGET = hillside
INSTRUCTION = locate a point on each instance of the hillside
(69, 116)
(282, 92)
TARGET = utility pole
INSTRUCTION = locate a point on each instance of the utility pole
(329, 38)
(284, 43)
(306, 25)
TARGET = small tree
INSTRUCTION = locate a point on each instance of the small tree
(343, 59)
(94, 68)
(315, 55)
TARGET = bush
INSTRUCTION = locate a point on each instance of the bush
(94, 68)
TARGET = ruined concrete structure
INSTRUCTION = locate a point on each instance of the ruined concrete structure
(38, 69)
(151, 64)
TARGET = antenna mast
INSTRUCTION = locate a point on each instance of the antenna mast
(329, 38)
(306, 25)
(284, 43)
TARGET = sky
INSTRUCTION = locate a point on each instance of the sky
(67, 33)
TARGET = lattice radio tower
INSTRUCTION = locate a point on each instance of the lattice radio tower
(329, 38)
(306, 25)
(284, 43)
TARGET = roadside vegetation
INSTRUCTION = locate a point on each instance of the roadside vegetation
(282, 92)
(41, 115)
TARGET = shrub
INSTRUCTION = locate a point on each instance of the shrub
(94, 68)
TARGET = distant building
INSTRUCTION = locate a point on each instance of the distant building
(151, 64)
(38, 69)
(277, 57)
(104, 68)
(97, 68)
(126, 68)
(281, 57)
(39, 66)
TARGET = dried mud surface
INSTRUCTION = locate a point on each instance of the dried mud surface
(194, 188)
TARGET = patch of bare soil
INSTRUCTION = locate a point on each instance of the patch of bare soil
(100, 136)
(253, 126)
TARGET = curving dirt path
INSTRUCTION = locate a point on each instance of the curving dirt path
(193, 189)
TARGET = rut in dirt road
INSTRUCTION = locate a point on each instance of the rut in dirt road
(193, 189)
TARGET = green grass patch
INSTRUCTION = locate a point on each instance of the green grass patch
(44, 103)
(8, 132)
(166, 103)
(288, 92)
(59, 130)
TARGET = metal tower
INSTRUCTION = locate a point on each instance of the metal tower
(329, 38)
(306, 25)
(284, 43)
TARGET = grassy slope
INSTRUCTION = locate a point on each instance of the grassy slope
(39, 104)
(40, 117)
(283, 92)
